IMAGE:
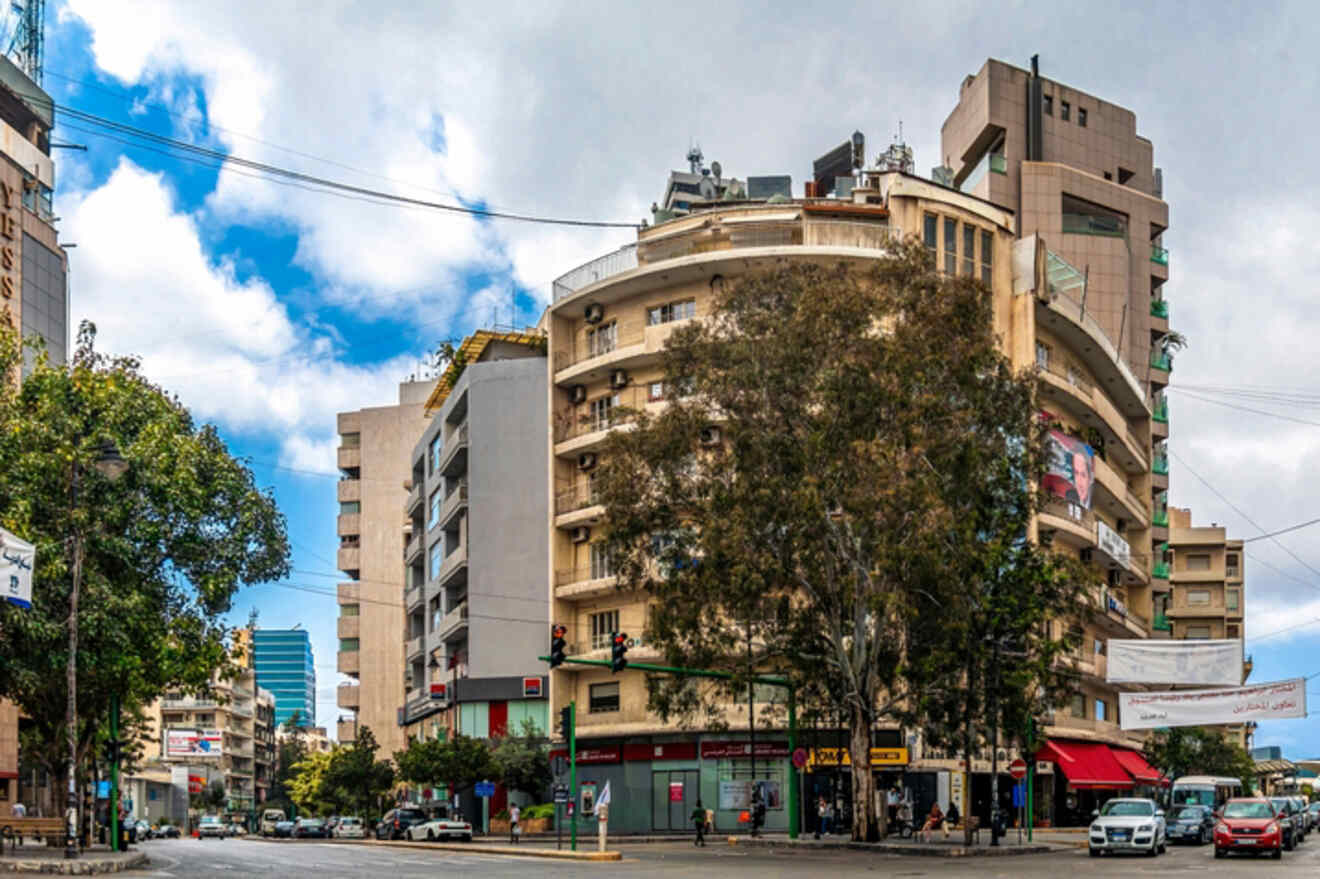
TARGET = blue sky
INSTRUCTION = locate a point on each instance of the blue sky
(270, 308)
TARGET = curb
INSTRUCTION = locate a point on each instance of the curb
(927, 850)
(469, 847)
(77, 867)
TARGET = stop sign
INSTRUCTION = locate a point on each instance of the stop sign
(1018, 769)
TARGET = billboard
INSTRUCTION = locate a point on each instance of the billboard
(16, 560)
(193, 743)
(1281, 699)
(1070, 469)
(1205, 663)
(1113, 544)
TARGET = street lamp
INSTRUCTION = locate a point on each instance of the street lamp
(111, 465)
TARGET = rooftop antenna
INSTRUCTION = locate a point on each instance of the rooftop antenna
(28, 44)
(694, 158)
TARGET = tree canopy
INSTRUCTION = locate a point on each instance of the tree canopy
(166, 546)
(1194, 750)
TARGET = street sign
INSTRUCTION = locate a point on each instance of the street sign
(485, 789)
(559, 764)
(561, 795)
(799, 758)
(1018, 769)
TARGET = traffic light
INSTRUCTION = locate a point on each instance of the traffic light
(558, 646)
(114, 750)
(619, 652)
(566, 721)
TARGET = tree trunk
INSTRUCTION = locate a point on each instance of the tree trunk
(863, 783)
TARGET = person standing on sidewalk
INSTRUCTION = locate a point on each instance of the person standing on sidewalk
(699, 822)
(821, 813)
(514, 830)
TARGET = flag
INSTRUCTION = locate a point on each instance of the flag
(604, 798)
(17, 558)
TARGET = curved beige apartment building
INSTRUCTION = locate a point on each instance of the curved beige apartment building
(608, 324)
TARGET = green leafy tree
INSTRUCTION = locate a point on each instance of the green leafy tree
(460, 762)
(289, 752)
(307, 788)
(212, 799)
(796, 498)
(522, 762)
(355, 778)
(164, 549)
(1195, 750)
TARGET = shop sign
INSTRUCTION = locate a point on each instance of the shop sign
(841, 757)
(660, 751)
(675, 791)
(607, 754)
(531, 688)
(741, 750)
(9, 231)
(1112, 544)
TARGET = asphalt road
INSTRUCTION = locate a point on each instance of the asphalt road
(229, 859)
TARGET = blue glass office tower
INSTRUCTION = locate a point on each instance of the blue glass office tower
(282, 659)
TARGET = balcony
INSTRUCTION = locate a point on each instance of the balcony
(1161, 623)
(580, 496)
(1160, 465)
(349, 525)
(349, 558)
(1064, 726)
(1160, 570)
(349, 627)
(412, 597)
(1160, 360)
(1159, 308)
(453, 459)
(348, 662)
(412, 550)
(1160, 519)
(413, 646)
(576, 422)
(189, 702)
(349, 593)
(349, 696)
(347, 730)
(455, 503)
(349, 458)
(455, 621)
(1159, 255)
(626, 338)
(598, 269)
(414, 499)
(454, 564)
(851, 233)
(1161, 411)
(584, 582)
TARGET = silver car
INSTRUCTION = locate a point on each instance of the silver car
(1127, 825)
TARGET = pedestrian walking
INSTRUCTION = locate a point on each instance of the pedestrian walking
(19, 811)
(822, 817)
(699, 822)
(758, 810)
(514, 829)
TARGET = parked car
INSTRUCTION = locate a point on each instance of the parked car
(1127, 825)
(441, 828)
(350, 827)
(330, 824)
(269, 819)
(284, 829)
(1313, 810)
(395, 823)
(1251, 824)
(1308, 820)
(237, 829)
(1289, 821)
(309, 828)
(1194, 824)
(166, 831)
(212, 826)
(142, 830)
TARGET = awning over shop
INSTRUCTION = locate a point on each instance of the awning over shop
(1138, 768)
(1087, 765)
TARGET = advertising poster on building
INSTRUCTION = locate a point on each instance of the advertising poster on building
(737, 795)
(1206, 663)
(1281, 699)
(193, 743)
(16, 560)
(1112, 543)
(1070, 470)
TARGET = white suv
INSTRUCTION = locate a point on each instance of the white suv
(1127, 825)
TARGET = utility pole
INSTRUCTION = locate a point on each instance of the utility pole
(114, 772)
(572, 776)
(994, 745)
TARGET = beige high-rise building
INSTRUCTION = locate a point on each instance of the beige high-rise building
(375, 447)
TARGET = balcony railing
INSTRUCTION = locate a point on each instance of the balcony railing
(1159, 308)
(578, 497)
(454, 619)
(582, 575)
(1161, 623)
(1161, 411)
(1232, 571)
(1160, 519)
(598, 269)
(1072, 376)
(1159, 255)
(624, 335)
(1161, 360)
(580, 420)
(1160, 465)
(851, 233)
(1160, 570)
(1073, 512)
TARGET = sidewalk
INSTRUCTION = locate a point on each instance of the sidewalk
(48, 860)
(953, 847)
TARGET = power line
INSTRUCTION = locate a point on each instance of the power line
(1298, 527)
(542, 600)
(1248, 409)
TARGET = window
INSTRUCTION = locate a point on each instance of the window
(1077, 708)
(1234, 630)
(1082, 217)
(1081, 117)
(1233, 599)
(204, 718)
(1198, 633)
(602, 339)
(350, 610)
(604, 697)
(350, 441)
(950, 246)
(1064, 108)
(1231, 568)
(1101, 707)
(348, 645)
(987, 253)
(437, 558)
(602, 565)
(437, 500)
(437, 613)
(1048, 101)
(655, 391)
(1042, 355)
(671, 311)
(969, 250)
(1198, 597)
(601, 410)
(436, 445)
(1198, 562)
(350, 507)
(930, 226)
(603, 627)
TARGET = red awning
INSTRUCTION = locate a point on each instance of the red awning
(1138, 768)
(1087, 765)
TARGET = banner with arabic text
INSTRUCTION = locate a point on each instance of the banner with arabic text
(1281, 699)
(16, 560)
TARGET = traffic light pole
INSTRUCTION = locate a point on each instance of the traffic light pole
(572, 776)
(794, 806)
(114, 772)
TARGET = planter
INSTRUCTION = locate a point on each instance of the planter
(500, 826)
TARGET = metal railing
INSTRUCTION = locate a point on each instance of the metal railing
(454, 619)
(1159, 255)
(626, 334)
(1161, 411)
(1161, 360)
(1070, 375)
(1160, 466)
(1159, 308)
(1161, 623)
(598, 269)
(580, 496)
(1160, 519)
(851, 233)
(575, 421)
(1073, 512)
(582, 575)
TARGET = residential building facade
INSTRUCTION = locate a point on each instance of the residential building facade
(475, 601)
(373, 459)
(283, 662)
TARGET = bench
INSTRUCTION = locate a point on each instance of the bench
(974, 822)
(15, 829)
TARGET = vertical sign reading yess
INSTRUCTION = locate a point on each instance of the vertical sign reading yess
(9, 229)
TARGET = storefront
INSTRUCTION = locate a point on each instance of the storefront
(828, 776)
(1084, 776)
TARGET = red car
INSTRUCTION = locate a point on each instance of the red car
(1249, 825)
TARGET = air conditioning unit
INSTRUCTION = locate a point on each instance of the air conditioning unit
(1085, 555)
(586, 461)
(618, 379)
(710, 436)
(578, 393)
(581, 534)
(595, 313)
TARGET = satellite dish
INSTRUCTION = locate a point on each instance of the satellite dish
(707, 188)
(715, 169)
